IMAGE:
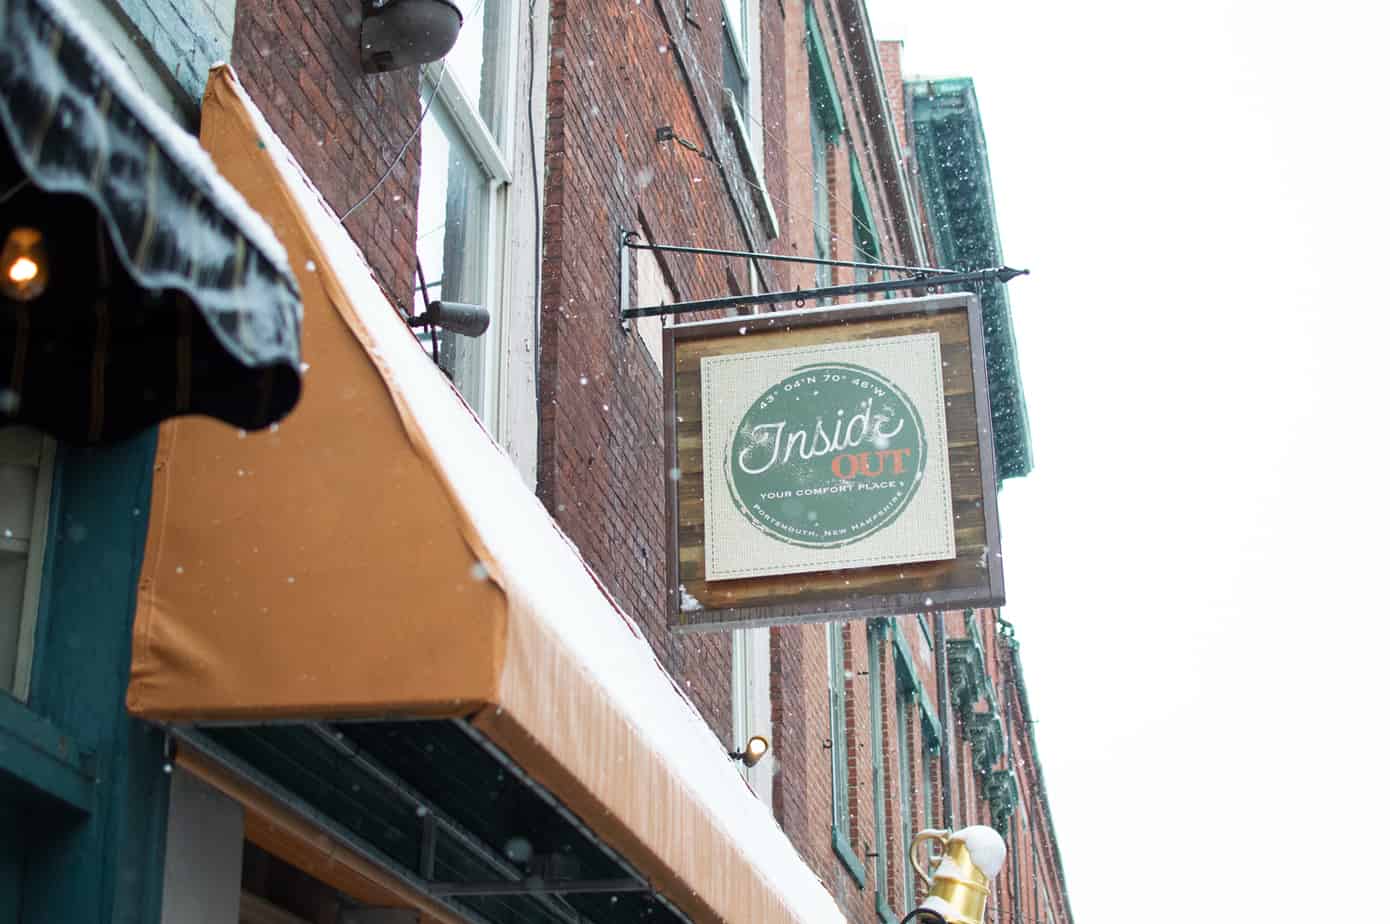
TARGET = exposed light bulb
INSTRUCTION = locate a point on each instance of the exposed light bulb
(24, 264)
(752, 752)
(23, 270)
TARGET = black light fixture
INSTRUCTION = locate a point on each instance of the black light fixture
(455, 317)
(407, 33)
(753, 751)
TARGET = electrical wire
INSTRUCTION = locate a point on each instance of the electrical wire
(463, 21)
(787, 206)
(424, 114)
(767, 135)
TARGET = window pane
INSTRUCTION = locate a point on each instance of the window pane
(820, 217)
(452, 215)
(736, 20)
(26, 473)
(907, 708)
(475, 61)
(735, 81)
(839, 773)
(876, 744)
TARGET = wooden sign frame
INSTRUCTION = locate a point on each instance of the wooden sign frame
(973, 578)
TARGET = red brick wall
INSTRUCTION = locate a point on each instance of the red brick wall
(602, 470)
(298, 59)
(890, 54)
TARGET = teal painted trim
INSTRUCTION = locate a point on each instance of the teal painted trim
(825, 99)
(42, 758)
(926, 630)
(845, 852)
(954, 178)
(839, 754)
(11, 866)
(885, 914)
(906, 671)
(868, 249)
(907, 707)
(877, 632)
(931, 725)
(109, 865)
(907, 675)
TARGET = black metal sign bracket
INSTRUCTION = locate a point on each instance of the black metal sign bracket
(911, 279)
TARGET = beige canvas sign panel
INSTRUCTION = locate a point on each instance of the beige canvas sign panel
(825, 456)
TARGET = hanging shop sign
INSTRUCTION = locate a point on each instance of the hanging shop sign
(830, 463)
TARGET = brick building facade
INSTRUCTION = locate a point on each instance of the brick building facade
(555, 128)
(637, 135)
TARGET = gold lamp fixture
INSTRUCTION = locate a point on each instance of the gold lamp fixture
(959, 869)
(753, 751)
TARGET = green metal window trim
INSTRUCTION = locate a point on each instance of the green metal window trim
(1001, 790)
(928, 753)
(986, 732)
(954, 180)
(926, 630)
(825, 99)
(965, 662)
(867, 250)
(839, 755)
(820, 199)
(907, 674)
(907, 700)
(844, 850)
(877, 633)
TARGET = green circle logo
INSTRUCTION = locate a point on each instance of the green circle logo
(827, 456)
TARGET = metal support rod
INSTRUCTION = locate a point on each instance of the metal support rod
(624, 277)
(630, 240)
(996, 274)
(443, 823)
(536, 886)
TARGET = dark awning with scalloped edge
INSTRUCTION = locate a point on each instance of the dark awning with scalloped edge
(154, 291)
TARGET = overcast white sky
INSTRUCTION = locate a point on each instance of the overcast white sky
(1195, 565)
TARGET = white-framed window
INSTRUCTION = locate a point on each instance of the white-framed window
(743, 68)
(465, 175)
(752, 703)
(743, 98)
(820, 199)
(26, 486)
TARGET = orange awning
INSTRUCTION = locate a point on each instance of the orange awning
(379, 556)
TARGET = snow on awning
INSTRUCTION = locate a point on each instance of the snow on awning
(379, 556)
(165, 294)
